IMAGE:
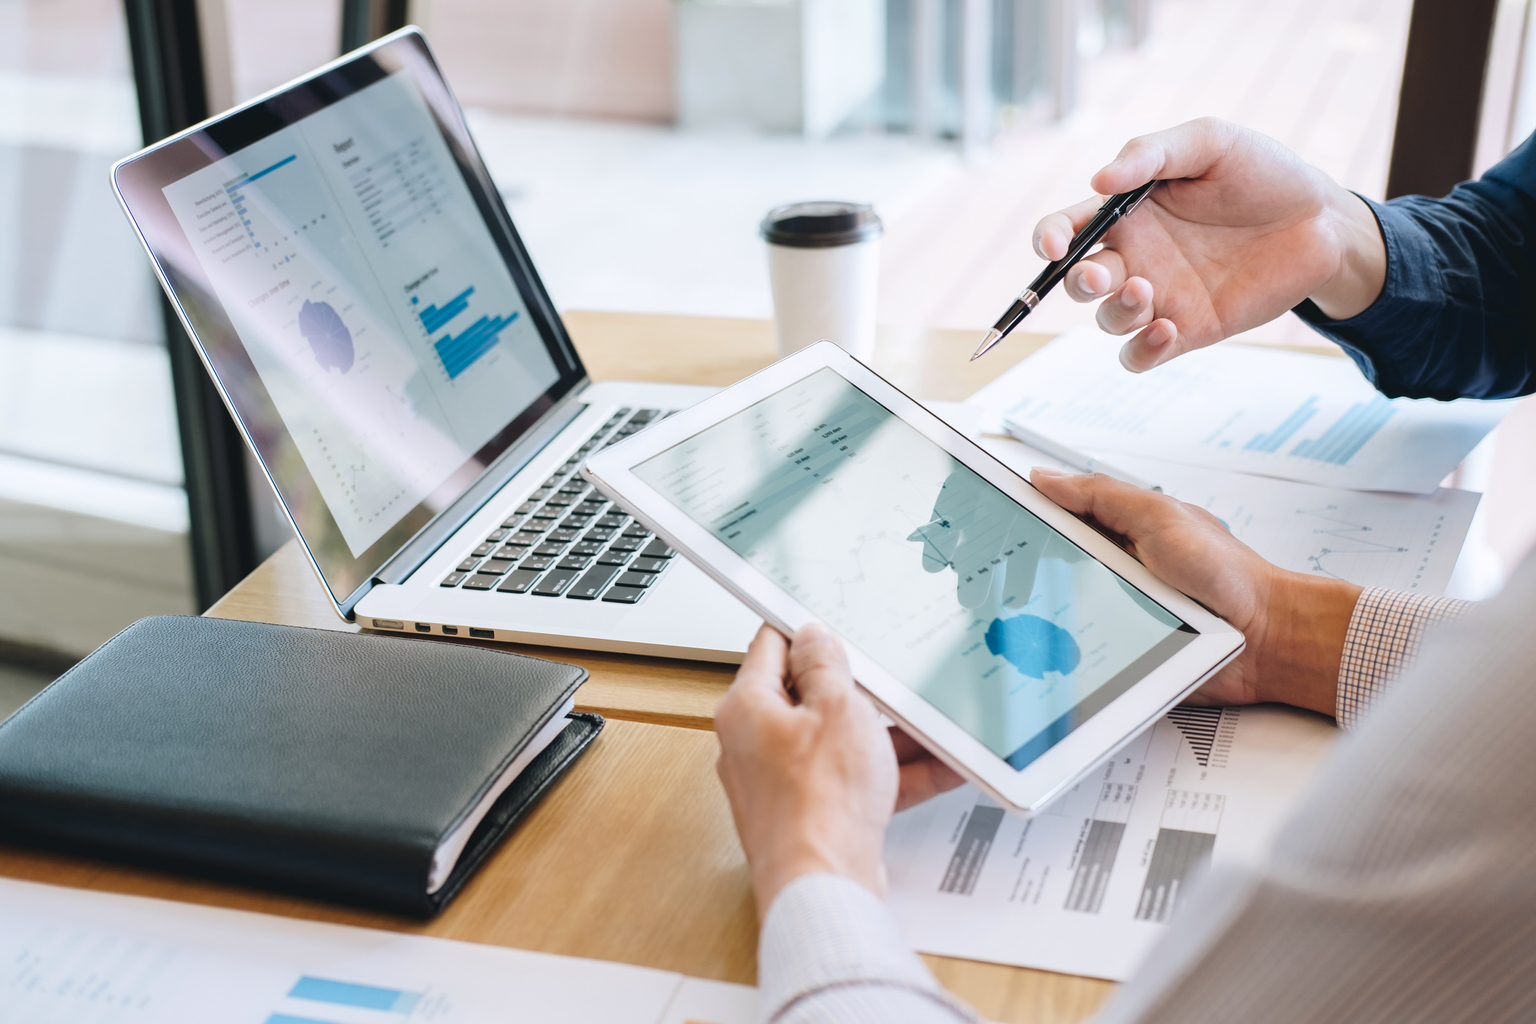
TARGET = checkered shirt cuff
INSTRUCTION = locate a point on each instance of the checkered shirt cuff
(1383, 639)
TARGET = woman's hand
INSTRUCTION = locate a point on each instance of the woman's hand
(1240, 230)
(1294, 624)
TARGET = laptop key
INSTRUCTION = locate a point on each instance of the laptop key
(526, 507)
(636, 579)
(518, 582)
(575, 562)
(453, 579)
(555, 481)
(481, 581)
(626, 544)
(497, 566)
(497, 536)
(538, 563)
(637, 530)
(623, 595)
(658, 549)
(549, 549)
(574, 486)
(555, 581)
(511, 552)
(645, 415)
(598, 534)
(561, 501)
(587, 547)
(644, 564)
(512, 522)
(612, 521)
(613, 558)
(540, 494)
(589, 586)
(524, 538)
(482, 550)
(563, 536)
(468, 565)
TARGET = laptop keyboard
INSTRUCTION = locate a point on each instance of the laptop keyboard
(567, 540)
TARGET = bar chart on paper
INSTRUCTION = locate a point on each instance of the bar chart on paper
(1285, 414)
(1085, 885)
(71, 956)
(314, 1000)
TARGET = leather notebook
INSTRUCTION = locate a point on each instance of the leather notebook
(344, 766)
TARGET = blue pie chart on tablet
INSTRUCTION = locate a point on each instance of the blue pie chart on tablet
(328, 337)
(1033, 645)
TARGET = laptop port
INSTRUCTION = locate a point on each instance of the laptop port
(451, 630)
(388, 624)
(423, 627)
(482, 634)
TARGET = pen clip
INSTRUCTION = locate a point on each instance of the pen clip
(1138, 201)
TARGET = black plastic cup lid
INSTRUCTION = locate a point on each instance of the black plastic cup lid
(821, 225)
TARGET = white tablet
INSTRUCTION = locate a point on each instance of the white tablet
(1007, 636)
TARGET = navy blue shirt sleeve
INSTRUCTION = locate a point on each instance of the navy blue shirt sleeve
(1457, 315)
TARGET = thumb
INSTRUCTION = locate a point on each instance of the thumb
(819, 666)
(1188, 150)
(1120, 507)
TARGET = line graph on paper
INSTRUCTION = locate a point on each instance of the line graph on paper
(1342, 538)
(1370, 538)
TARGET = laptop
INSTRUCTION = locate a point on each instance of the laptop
(356, 290)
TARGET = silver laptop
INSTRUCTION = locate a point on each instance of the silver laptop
(358, 293)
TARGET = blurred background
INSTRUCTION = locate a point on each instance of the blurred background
(638, 143)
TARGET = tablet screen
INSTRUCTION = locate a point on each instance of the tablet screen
(1011, 630)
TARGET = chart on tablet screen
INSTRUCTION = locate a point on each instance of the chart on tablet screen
(962, 594)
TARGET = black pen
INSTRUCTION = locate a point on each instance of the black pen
(1113, 209)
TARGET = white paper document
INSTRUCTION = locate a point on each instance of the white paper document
(1086, 885)
(1292, 415)
(1399, 541)
(73, 957)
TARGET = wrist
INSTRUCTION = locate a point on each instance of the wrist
(1302, 640)
(1362, 258)
(771, 874)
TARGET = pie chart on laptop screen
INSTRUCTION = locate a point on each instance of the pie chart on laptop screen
(327, 335)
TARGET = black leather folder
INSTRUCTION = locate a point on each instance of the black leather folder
(334, 765)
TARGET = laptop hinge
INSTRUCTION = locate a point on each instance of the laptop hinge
(421, 547)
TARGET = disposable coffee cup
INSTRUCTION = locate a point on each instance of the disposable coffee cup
(824, 266)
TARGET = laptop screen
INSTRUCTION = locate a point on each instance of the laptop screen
(365, 304)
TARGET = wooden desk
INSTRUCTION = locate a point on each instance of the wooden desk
(633, 857)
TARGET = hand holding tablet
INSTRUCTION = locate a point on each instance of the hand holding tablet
(1008, 637)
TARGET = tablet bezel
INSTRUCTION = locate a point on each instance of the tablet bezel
(1059, 767)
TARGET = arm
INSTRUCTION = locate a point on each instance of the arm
(1453, 319)
(1431, 297)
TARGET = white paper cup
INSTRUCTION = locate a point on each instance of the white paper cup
(824, 266)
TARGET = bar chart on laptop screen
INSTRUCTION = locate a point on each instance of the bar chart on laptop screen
(458, 352)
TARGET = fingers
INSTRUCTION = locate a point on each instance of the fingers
(1128, 309)
(761, 676)
(819, 666)
(1054, 233)
(1187, 151)
(924, 779)
(1121, 507)
(1096, 275)
(1153, 346)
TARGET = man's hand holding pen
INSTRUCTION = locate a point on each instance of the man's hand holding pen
(1238, 231)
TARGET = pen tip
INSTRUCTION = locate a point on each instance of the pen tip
(992, 338)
